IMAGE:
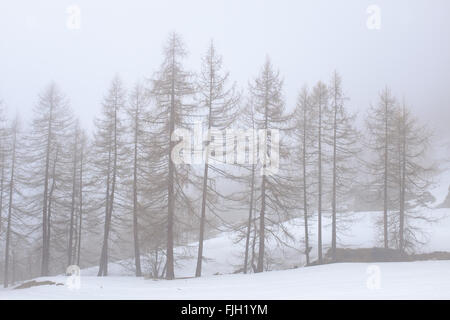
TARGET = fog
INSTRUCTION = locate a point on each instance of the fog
(305, 40)
(306, 134)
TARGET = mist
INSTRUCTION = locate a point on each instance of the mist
(306, 40)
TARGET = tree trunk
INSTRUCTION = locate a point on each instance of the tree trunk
(252, 260)
(198, 271)
(170, 274)
(106, 228)
(45, 249)
(137, 254)
(402, 185)
(319, 210)
(103, 270)
(249, 223)
(2, 180)
(11, 191)
(260, 266)
(49, 210)
(305, 191)
(72, 208)
(385, 207)
(333, 201)
(113, 189)
(80, 206)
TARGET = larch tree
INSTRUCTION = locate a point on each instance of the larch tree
(251, 151)
(71, 252)
(15, 232)
(137, 110)
(381, 142)
(221, 103)
(51, 122)
(305, 136)
(13, 164)
(108, 144)
(3, 159)
(344, 142)
(172, 89)
(319, 100)
(83, 156)
(266, 94)
(414, 175)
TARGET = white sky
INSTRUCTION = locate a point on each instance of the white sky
(306, 40)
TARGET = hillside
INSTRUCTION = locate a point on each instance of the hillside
(419, 279)
(407, 280)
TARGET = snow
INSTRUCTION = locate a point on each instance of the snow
(406, 280)
(441, 188)
(223, 256)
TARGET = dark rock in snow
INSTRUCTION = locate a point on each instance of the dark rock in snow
(380, 255)
(34, 283)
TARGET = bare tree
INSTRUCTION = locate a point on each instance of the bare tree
(415, 173)
(72, 227)
(221, 104)
(52, 119)
(171, 88)
(319, 99)
(251, 208)
(3, 161)
(345, 149)
(108, 145)
(81, 187)
(12, 191)
(266, 94)
(304, 118)
(137, 111)
(380, 125)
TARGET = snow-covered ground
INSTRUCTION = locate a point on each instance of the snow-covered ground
(407, 280)
(224, 256)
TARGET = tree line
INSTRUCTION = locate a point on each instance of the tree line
(72, 197)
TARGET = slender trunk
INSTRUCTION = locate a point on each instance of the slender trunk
(402, 186)
(106, 228)
(261, 251)
(72, 209)
(50, 201)
(260, 266)
(385, 197)
(198, 271)
(111, 176)
(2, 180)
(11, 191)
(252, 260)
(319, 210)
(14, 268)
(137, 254)
(305, 191)
(80, 206)
(333, 201)
(45, 249)
(170, 274)
(113, 189)
(249, 223)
